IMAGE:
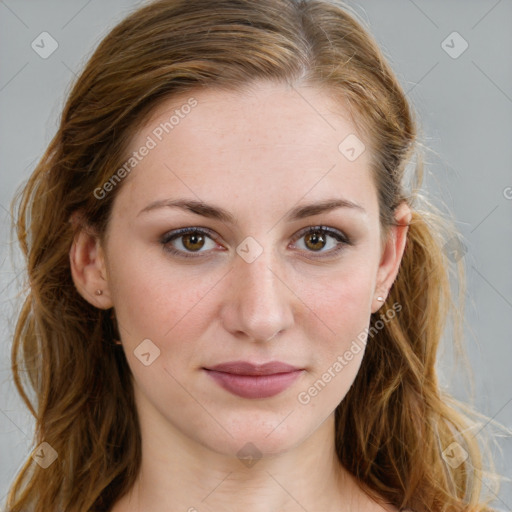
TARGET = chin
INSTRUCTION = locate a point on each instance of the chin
(255, 438)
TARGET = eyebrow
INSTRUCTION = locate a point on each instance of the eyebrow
(215, 212)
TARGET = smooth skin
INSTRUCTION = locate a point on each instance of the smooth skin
(257, 154)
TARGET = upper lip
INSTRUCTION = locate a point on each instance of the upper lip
(246, 368)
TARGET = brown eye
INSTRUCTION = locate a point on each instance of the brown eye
(315, 241)
(189, 242)
(321, 241)
(193, 241)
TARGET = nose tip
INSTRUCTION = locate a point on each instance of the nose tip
(259, 304)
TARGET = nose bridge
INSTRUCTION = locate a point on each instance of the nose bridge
(261, 303)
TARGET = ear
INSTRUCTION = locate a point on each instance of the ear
(88, 269)
(392, 254)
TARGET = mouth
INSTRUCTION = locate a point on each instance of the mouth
(249, 380)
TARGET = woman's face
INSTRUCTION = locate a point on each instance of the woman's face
(252, 285)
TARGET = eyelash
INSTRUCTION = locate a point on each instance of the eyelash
(341, 238)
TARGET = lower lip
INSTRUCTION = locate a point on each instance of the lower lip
(254, 386)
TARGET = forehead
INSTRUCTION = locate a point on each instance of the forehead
(279, 138)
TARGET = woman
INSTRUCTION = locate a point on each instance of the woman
(234, 301)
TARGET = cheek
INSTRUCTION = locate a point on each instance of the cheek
(154, 299)
(340, 311)
(339, 300)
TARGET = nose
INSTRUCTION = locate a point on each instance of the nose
(259, 303)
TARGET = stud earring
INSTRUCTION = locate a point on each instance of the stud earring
(99, 292)
(380, 299)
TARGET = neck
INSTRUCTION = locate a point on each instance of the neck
(177, 473)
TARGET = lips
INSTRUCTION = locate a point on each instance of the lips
(249, 380)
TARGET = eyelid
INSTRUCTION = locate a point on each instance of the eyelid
(175, 233)
(336, 233)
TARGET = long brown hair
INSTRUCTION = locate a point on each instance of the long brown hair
(396, 419)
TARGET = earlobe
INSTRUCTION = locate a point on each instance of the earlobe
(392, 254)
(88, 269)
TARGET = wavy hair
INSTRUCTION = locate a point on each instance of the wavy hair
(395, 415)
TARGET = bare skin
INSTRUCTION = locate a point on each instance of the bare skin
(258, 155)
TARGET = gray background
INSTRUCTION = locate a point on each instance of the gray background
(464, 106)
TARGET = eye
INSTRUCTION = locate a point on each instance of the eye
(195, 242)
(318, 238)
(188, 242)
